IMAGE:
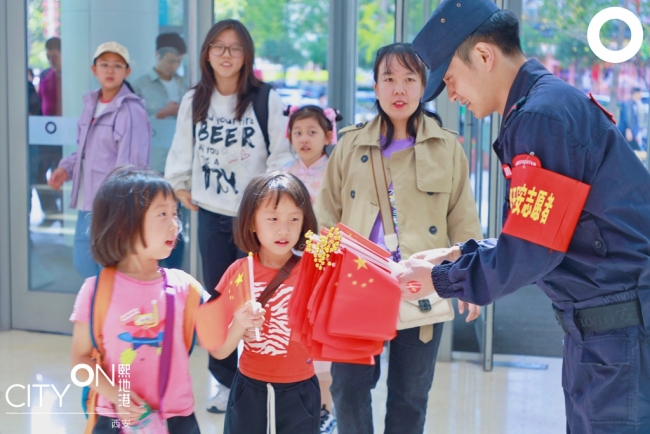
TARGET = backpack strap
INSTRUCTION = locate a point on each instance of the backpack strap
(282, 275)
(98, 309)
(261, 110)
(194, 300)
(168, 341)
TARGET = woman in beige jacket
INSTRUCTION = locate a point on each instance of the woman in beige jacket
(433, 206)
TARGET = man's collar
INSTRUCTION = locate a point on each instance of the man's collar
(371, 133)
(528, 74)
(153, 75)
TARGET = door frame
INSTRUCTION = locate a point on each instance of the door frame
(5, 244)
(21, 308)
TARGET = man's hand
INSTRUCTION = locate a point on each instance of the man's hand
(57, 178)
(415, 281)
(436, 256)
(186, 199)
(473, 311)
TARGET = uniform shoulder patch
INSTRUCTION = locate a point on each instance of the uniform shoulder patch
(352, 127)
(607, 113)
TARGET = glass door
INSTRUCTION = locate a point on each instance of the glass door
(50, 259)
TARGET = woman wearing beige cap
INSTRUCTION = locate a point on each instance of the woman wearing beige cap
(113, 130)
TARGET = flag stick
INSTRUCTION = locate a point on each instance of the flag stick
(251, 280)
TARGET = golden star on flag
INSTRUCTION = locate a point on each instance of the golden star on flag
(240, 279)
(349, 274)
(360, 263)
(354, 283)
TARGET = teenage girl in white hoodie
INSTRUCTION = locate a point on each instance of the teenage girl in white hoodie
(218, 147)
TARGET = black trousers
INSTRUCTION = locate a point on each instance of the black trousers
(175, 425)
(218, 252)
(297, 407)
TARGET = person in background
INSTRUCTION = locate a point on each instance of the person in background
(310, 130)
(629, 123)
(34, 109)
(49, 88)
(219, 146)
(162, 89)
(113, 130)
(33, 100)
(48, 156)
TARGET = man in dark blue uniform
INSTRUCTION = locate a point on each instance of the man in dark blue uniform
(599, 282)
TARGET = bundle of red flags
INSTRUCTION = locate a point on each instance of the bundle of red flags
(345, 303)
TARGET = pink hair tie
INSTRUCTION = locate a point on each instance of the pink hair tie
(292, 110)
(331, 114)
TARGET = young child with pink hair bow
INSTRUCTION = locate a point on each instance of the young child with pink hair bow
(309, 130)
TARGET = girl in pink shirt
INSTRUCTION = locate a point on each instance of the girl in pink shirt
(309, 130)
(135, 224)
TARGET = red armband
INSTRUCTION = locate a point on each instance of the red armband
(544, 206)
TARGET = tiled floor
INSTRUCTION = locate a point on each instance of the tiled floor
(464, 399)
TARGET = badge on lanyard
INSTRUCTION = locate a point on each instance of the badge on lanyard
(544, 205)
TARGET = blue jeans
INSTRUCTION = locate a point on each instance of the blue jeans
(218, 251)
(82, 257)
(411, 365)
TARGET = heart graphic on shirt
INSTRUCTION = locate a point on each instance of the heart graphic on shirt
(244, 154)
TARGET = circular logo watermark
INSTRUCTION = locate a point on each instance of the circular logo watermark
(615, 56)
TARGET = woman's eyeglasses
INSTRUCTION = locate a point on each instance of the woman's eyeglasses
(219, 50)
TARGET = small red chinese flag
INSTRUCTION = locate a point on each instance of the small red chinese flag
(306, 280)
(544, 207)
(366, 303)
(214, 317)
(362, 241)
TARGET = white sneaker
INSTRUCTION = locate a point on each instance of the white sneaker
(219, 402)
(327, 421)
